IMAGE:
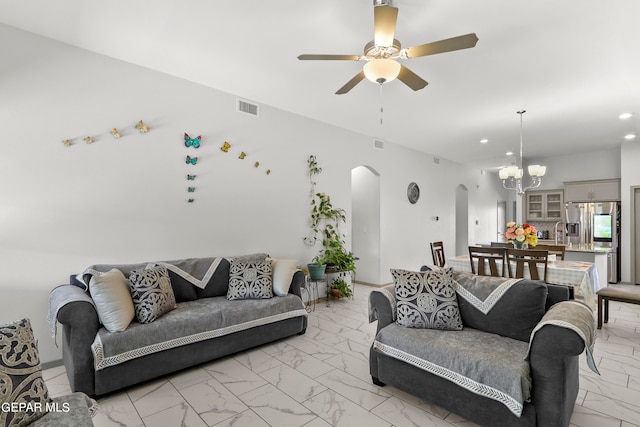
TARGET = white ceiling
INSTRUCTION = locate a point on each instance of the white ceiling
(574, 65)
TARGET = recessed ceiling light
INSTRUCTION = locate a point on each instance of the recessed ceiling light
(509, 153)
(625, 116)
(630, 136)
(484, 141)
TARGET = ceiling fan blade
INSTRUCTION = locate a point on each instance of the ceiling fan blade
(447, 45)
(329, 57)
(411, 79)
(351, 83)
(384, 24)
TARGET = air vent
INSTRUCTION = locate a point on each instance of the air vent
(378, 144)
(248, 107)
(436, 160)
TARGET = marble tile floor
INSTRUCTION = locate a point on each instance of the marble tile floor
(322, 379)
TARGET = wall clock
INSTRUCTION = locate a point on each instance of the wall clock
(413, 193)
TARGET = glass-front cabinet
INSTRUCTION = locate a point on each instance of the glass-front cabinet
(544, 205)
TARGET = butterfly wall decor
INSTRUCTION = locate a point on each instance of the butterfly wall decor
(142, 128)
(192, 142)
(190, 200)
(115, 133)
(192, 160)
(257, 164)
(66, 142)
(242, 155)
(191, 189)
(191, 177)
(89, 140)
(225, 147)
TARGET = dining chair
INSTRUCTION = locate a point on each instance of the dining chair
(437, 252)
(501, 245)
(493, 258)
(532, 258)
(557, 250)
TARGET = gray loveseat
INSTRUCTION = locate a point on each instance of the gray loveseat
(204, 326)
(513, 363)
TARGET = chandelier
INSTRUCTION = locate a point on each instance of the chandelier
(511, 176)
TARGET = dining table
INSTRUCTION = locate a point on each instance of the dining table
(582, 275)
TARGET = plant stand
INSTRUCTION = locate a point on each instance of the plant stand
(311, 289)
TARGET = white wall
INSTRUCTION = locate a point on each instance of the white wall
(118, 201)
(365, 227)
(630, 178)
(603, 164)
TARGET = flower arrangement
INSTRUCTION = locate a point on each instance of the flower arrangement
(520, 234)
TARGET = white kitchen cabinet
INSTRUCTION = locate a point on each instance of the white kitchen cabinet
(544, 205)
(603, 190)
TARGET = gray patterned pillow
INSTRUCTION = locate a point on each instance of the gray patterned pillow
(151, 293)
(250, 280)
(21, 383)
(426, 299)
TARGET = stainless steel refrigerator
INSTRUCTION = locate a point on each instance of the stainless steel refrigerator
(594, 226)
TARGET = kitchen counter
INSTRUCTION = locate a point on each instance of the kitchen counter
(598, 256)
(588, 250)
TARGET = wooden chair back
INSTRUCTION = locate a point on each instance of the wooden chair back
(501, 245)
(437, 252)
(531, 258)
(493, 258)
(557, 250)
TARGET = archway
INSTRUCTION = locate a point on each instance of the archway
(365, 223)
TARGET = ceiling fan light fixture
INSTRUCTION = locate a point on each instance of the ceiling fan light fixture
(381, 70)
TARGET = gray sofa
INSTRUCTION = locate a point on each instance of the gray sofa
(523, 329)
(204, 326)
(74, 410)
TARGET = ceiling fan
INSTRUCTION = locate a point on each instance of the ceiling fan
(381, 54)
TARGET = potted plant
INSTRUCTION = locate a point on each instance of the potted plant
(336, 257)
(339, 289)
(316, 269)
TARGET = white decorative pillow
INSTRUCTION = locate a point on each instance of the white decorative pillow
(250, 280)
(111, 295)
(426, 299)
(152, 293)
(21, 382)
(283, 271)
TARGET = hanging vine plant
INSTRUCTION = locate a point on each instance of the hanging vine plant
(325, 222)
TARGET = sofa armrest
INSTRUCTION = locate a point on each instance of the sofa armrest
(565, 331)
(76, 313)
(296, 283)
(382, 306)
(73, 410)
(555, 342)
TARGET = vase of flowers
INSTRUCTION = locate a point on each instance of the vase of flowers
(521, 236)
